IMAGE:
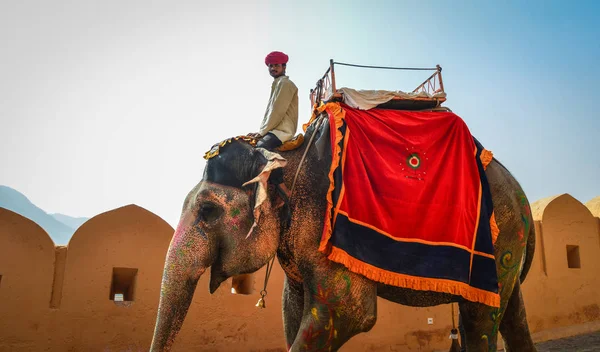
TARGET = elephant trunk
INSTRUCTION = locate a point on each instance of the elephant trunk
(187, 259)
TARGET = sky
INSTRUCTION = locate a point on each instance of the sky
(109, 103)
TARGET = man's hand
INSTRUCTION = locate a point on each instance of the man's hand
(254, 135)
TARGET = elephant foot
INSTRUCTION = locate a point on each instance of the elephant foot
(480, 327)
(514, 327)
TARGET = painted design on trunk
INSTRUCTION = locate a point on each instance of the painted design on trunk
(322, 331)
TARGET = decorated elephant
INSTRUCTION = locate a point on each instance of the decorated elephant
(229, 224)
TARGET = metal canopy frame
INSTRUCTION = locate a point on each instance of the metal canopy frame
(431, 85)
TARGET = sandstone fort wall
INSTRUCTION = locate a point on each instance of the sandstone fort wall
(63, 298)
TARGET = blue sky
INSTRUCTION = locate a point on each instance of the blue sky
(107, 103)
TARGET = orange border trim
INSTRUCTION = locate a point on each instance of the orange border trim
(412, 282)
(486, 158)
(336, 112)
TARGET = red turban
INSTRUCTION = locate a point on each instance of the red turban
(276, 57)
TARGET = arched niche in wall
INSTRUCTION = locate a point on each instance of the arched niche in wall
(116, 259)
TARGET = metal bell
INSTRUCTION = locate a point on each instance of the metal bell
(261, 303)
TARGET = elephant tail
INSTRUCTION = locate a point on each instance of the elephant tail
(529, 251)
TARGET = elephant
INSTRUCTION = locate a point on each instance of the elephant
(229, 224)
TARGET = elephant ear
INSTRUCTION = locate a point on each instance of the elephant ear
(274, 161)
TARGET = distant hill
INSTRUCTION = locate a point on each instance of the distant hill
(60, 227)
(69, 220)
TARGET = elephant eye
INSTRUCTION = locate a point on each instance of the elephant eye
(210, 211)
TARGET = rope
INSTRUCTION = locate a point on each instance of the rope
(453, 323)
(304, 155)
(453, 332)
(270, 264)
(389, 68)
(263, 293)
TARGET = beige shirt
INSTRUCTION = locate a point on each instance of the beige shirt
(281, 116)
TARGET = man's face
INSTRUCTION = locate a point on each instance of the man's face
(276, 70)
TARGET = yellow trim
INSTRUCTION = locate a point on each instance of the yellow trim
(292, 144)
(316, 111)
(476, 221)
(412, 282)
(214, 150)
(494, 228)
(338, 205)
(344, 152)
(475, 233)
(414, 240)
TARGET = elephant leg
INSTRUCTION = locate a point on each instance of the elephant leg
(463, 338)
(338, 305)
(514, 327)
(480, 326)
(293, 306)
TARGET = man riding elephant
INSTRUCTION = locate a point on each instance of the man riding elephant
(281, 116)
